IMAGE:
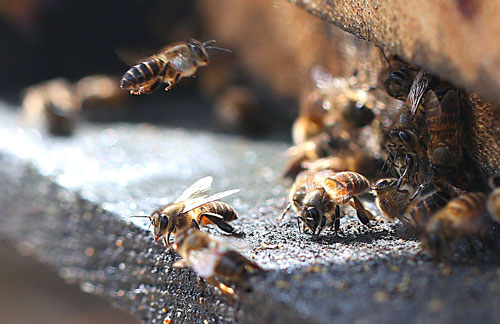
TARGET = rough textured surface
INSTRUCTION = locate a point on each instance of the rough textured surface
(457, 39)
(66, 202)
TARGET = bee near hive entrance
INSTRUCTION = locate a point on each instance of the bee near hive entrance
(168, 66)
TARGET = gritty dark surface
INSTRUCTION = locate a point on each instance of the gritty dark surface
(66, 202)
(29, 285)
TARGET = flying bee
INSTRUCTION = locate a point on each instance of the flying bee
(462, 218)
(194, 208)
(172, 63)
(213, 259)
(320, 206)
(398, 77)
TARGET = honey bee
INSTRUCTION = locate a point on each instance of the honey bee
(408, 137)
(172, 63)
(328, 190)
(398, 77)
(391, 201)
(194, 208)
(213, 260)
(462, 218)
(394, 202)
(444, 151)
(434, 197)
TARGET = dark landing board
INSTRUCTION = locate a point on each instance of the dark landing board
(66, 202)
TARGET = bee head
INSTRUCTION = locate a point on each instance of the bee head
(397, 84)
(159, 222)
(199, 50)
(311, 217)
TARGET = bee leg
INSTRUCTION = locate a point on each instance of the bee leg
(363, 214)
(422, 185)
(196, 225)
(388, 161)
(173, 81)
(287, 208)
(401, 178)
(336, 222)
(321, 225)
(219, 221)
(298, 225)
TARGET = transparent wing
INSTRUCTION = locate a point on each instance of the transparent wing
(203, 262)
(197, 202)
(417, 90)
(200, 188)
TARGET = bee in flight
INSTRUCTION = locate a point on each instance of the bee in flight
(193, 208)
(213, 259)
(172, 63)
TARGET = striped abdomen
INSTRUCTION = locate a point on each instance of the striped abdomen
(344, 185)
(467, 207)
(424, 209)
(231, 265)
(442, 119)
(142, 74)
(215, 207)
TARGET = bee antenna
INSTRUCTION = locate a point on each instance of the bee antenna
(208, 42)
(218, 48)
(140, 216)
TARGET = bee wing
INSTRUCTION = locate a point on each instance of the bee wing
(200, 188)
(197, 202)
(321, 78)
(417, 90)
(203, 262)
(132, 57)
(449, 110)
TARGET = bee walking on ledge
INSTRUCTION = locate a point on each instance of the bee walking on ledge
(194, 208)
(172, 63)
(318, 202)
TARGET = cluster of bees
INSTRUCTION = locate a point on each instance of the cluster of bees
(428, 190)
(331, 163)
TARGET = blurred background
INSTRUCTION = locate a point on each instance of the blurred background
(72, 54)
